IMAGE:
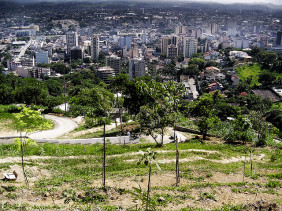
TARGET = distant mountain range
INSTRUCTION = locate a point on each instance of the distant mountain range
(156, 3)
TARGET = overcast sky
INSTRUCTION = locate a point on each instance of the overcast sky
(243, 1)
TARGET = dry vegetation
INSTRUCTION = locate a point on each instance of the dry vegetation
(70, 176)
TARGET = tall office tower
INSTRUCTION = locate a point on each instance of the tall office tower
(114, 62)
(279, 38)
(41, 57)
(180, 30)
(241, 43)
(232, 28)
(165, 42)
(77, 53)
(72, 41)
(125, 41)
(262, 41)
(136, 68)
(172, 51)
(196, 33)
(143, 38)
(212, 28)
(95, 47)
(189, 46)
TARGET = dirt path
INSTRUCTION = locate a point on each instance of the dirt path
(92, 130)
(62, 125)
(223, 161)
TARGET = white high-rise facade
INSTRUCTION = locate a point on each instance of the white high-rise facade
(72, 41)
(189, 46)
(95, 47)
(136, 68)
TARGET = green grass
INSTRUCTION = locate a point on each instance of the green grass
(247, 71)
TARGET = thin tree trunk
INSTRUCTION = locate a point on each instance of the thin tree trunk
(162, 137)
(104, 157)
(177, 157)
(149, 186)
(251, 161)
(244, 166)
(22, 156)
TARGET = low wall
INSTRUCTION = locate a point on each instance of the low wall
(113, 140)
(188, 130)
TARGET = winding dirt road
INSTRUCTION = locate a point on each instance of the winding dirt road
(62, 125)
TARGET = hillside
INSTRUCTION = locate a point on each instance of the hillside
(70, 176)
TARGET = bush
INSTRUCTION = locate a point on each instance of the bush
(57, 111)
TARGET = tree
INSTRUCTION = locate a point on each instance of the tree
(241, 129)
(29, 120)
(60, 68)
(266, 78)
(31, 91)
(153, 121)
(192, 70)
(198, 61)
(204, 108)
(206, 123)
(7, 95)
(148, 158)
(263, 129)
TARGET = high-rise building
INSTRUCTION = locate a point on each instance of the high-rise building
(262, 41)
(95, 47)
(105, 73)
(241, 43)
(114, 62)
(279, 38)
(172, 51)
(165, 42)
(136, 68)
(180, 30)
(189, 46)
(125, 41)
(212, 28)
(72, 41)
(41, 57)
(77, 53)
(232, 28)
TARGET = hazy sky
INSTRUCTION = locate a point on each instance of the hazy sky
(242, 1)
(277, 2)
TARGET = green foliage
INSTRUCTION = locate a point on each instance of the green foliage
(273, 184)
(139, 194)
(153, 120)
(250, 71)
(98, 97)
(12, 196)
(206, 123)
(30, 120)
(25, 142)
(148, 157)
(207, 195)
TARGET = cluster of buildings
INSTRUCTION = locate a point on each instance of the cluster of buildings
(133, 42)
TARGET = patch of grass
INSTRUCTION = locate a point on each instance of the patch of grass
(252, 175)
(273, 184)
(207, 195)
(275, 176)
(9, 188)
(11, 196)
(247, 71)
(270, 191)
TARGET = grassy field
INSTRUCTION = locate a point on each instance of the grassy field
(247, 71)
(70, 177)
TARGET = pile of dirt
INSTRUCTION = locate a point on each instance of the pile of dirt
(262, 206)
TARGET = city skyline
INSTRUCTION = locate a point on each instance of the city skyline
(276, 2)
